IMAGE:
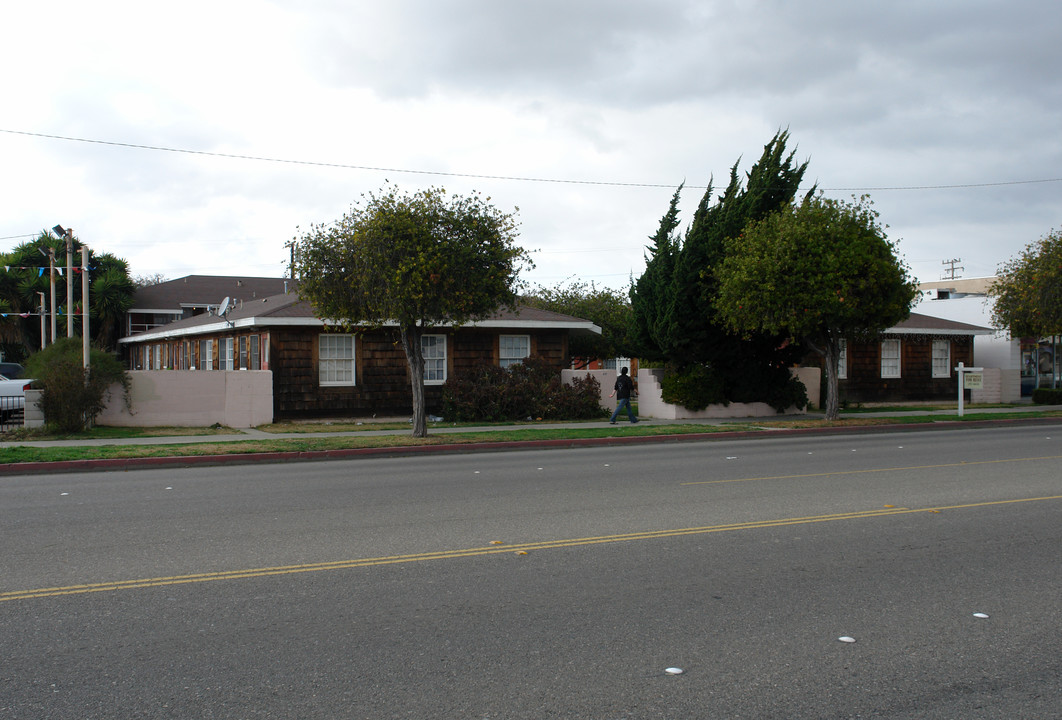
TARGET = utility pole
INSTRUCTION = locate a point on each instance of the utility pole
(44, 310)
(51, 282)
(67, 233)
(69, 283)
(949, 273)
(84, 307)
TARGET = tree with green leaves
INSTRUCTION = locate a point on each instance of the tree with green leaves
(72, 396)
(608, 309)
(1028, 291)
(650, 293)
(26, 274)
(694, 333)
(418, 261)
(819, 272)
(674, 300)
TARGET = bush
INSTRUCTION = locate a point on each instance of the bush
(1047, 396)
(71, 398)
(694, 388)
(699, 386)
(531, 389)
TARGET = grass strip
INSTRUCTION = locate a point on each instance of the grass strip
(10, 453)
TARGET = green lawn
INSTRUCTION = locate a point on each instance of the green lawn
(11, 452)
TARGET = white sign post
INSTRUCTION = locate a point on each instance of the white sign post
(962, 370)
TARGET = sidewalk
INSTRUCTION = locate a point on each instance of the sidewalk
(442, 429)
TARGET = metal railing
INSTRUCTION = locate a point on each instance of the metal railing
(12, 412)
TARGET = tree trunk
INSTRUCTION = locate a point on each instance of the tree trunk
(829, 360)
(828, 349)
(415, 358)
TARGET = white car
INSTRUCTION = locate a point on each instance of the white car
(12, 396)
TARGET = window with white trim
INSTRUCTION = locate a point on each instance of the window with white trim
(434, 350)
(513, 349)
(206, 354)
(890, 358)
(336, 359)
(842, 360)
(256, 357)
(942, 358)
(225, 354)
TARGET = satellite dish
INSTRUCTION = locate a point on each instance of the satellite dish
(224, 307)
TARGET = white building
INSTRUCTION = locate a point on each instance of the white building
(967, 300)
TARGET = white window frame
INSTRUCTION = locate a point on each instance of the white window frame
(225, 354)
(942, 358)
(891, 360)
(335, 360)
(206, 347)
(508, 350)
(254, 352)
(433, 347)
(842, 359)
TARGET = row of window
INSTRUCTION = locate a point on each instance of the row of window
(242, 353)
(890, 359)
(336, 357)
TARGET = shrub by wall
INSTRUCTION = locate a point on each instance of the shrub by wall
(72, 398)
(532, 389)
(699, 386)
(1047, 396)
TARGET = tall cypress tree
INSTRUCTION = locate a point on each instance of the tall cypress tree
(650, 294)
(694, 334)
(688, 332)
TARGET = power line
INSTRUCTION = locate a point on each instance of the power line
(515, 178)
(344, 166)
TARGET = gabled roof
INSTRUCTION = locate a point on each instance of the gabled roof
(289, 310)
(918, 324)
(204, 290)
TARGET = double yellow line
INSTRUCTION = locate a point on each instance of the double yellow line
(493, 549)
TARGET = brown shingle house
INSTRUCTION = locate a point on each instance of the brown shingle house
(911, 361)
(319, 369)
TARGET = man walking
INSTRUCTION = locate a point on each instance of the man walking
(622, 390)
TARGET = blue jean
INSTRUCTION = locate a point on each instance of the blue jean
(624, 403)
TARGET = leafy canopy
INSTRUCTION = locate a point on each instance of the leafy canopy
(426, 258)
(818, 272)
(25, 275)
(1028, 291)
(413, 260)
(674, 316)
(71, 396)
(608, 309)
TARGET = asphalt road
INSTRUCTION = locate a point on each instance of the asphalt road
(548, 584)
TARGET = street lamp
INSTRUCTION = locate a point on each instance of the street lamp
(68, 233)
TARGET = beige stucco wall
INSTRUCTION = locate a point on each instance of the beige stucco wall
(1000, 386)
(241, 398)
(607, 379)
(650, 403)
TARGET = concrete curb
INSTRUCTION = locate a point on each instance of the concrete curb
(111, 464)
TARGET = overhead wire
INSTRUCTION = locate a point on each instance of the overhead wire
(479, 176)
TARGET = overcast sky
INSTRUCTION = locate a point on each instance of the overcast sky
(584, 115)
